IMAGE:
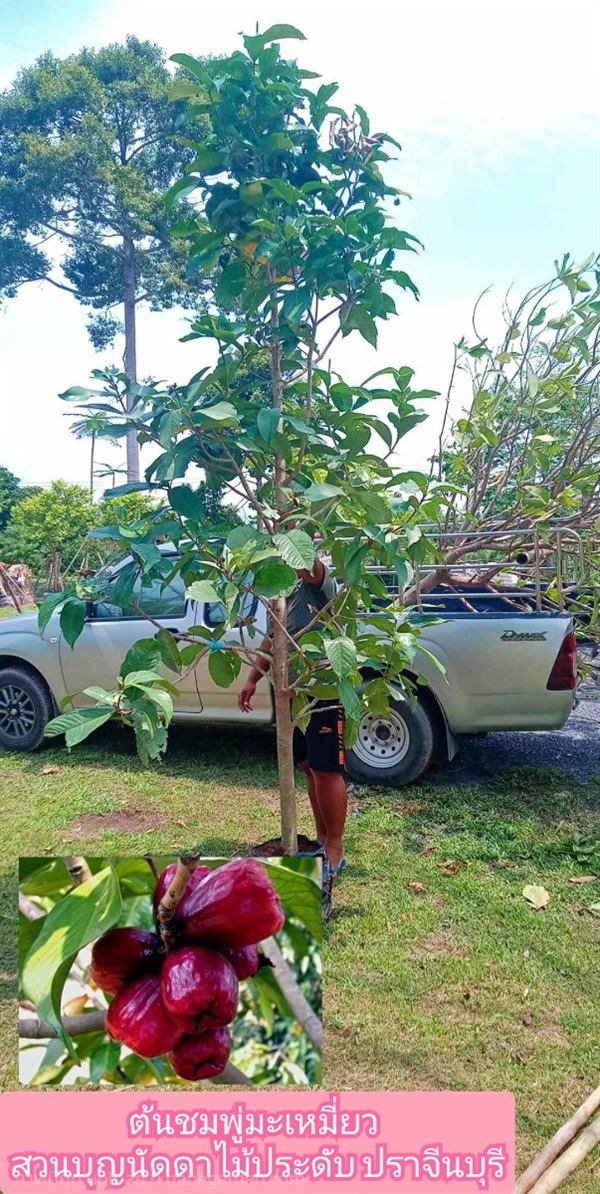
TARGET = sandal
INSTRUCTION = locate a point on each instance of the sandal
(331, 872)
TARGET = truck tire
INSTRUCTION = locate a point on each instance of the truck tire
(25, 709)
(393, 750)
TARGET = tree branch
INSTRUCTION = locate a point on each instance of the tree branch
(35, 1030)
(304, 1013)
(166, 909)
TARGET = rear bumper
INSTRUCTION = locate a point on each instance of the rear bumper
(515, 712)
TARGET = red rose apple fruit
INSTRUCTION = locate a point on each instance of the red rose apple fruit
(199, 988)
(235, 905)
(245, 960)
(123, 954)
(138, 1018)
(201, 1056)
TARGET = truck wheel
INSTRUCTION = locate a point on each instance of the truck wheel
(396, 749)
(25, 709)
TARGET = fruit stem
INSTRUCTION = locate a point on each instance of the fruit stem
(166, 909)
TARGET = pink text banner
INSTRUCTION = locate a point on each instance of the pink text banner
(72, 1142)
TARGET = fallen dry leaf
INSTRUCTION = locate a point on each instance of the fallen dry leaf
(537, 896)
(429, 850)
(588, 909)
(414, 886)
(408, 807)
(50, 770)
(583, 879)
(504, 866)
(449, 867)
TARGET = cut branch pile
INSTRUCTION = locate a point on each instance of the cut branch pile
(564, 1152)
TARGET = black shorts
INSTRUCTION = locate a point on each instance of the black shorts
(322, 743)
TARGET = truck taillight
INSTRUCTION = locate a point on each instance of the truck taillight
(563, 677)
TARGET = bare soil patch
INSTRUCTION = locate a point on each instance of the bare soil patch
(124, 820)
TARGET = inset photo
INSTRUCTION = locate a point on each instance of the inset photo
(168, 971)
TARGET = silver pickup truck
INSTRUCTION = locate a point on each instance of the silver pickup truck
(504, 670)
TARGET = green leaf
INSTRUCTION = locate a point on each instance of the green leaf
(219, 412)
(267, 421)
(78, 392)
(143, 676)
(190, 653)
(231, 284)
(341, 653)
(95, 693)
(275, 580)
(72, 619)
(48, 607)
(143, 656)
(242, 535)
(374, 505)
(359, 318)
(41, 876)
(364, 119)
(147, 553)
(301, 897)
(130, 487)
(319, 491)
(104, 1061)
(77, 725)
(195, 68)
(136, 877)
(296, 548)
(169, 651)
(182, 89)
(276, 142)
(187, 502)
(159, 697)
(224, 667)
(208, 161)
(29, 931)
(202, 590)
(281, 32)
(78, 919)
(350, 700)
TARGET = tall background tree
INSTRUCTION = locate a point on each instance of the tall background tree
(11, 493)
(88, 145)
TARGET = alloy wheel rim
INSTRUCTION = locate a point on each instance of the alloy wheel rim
(17, 712)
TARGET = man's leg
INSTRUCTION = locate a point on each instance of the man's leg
(331, 799)
(320, 826)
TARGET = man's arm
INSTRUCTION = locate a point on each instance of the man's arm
(259, 670)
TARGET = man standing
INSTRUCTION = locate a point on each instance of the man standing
(319, 751)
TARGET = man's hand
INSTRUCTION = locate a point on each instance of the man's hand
(245, 697)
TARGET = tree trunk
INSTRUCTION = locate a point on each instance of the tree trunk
(133, 448)
(92, 450)
(281, 654)
(283, 719)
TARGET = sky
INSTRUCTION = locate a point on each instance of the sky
(496, 104)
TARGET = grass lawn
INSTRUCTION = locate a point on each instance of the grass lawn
(9, 611)
(452, 983)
